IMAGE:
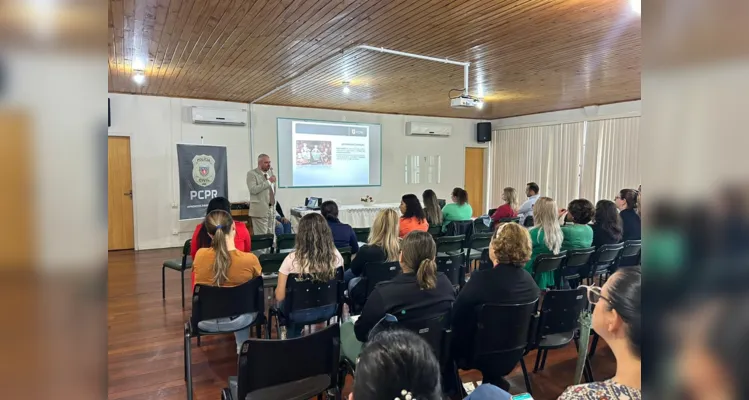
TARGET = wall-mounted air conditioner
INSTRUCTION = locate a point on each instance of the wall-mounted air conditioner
(428, 129)
(219, 116)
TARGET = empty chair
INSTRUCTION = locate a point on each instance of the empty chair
(261, 242)
(502, 335)
(548, 262)
(285, 243)
(604, 259)
(362, 234)
(435, 230)
(452, 265)
(576, 266)
(476, 244)
(372, 274)
(270, 264)
(212, 303)
(557, 323)
(630, 254)
(308, 302)
(180, 265)
(346, 254)
(298, 368)
(450, 244)
(480, 226)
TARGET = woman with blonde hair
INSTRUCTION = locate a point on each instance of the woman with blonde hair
(510, 208)
(223, 265)
(382, 245)
(546, 237)
(506, 283)
(314, 257)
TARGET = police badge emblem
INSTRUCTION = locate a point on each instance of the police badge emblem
(203, 170)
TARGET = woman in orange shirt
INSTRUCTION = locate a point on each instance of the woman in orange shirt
(413, 218)
(225, 266)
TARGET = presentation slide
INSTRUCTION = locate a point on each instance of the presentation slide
(322, 153)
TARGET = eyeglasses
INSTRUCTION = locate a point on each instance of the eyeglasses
(594, 294)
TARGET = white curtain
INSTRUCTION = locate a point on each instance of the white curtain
(548, 155)
(611, 158)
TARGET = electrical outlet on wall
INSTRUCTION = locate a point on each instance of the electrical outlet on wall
(175, 232)
(174, 205)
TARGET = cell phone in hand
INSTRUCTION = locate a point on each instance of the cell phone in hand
(522, 396)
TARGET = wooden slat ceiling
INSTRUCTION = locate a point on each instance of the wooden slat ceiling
(526, 56)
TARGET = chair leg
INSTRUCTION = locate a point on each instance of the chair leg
(538, 360)
(259, 331)
(526, 377)
(593, 346)
(183, 289)
(188, 365)
(588, 371)
(198, 336)
(163, 285)
(543, 360)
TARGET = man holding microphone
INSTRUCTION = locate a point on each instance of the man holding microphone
(262, 185)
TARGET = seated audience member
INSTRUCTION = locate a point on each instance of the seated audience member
(576, 231)
(607, 224)
(432, 208)
(458, 210)
(546, 237)
(201, 239)
(627, 201)
(343, 234)
(418, 292)
(617, 318)
(397, 364)
(510, 208)
(526, 209)
(283, 225)
(382, 245)
(487, 391)
(412, 216)
(222, 264)
(314, 257)
(507, 283)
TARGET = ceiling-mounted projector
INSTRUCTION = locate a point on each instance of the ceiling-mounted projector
(464, 101)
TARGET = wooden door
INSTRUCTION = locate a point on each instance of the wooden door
(474, 179)
(17, 240)
(120, 194)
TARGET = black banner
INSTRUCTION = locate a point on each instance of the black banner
(202, 176)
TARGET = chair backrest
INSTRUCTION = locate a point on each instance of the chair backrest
(304, 293)
(502, 335)
(271, 263)
(528, 221)
(432, 330)
(346, 255)
(186, 251)
(362, 234)
(450, 243)
(260, 242)
(480, 241)
(285, 241)
(491, 211)
(211, 302)
(260, 364)
(511, 219)
(560, 312)
(579, 257)
(451, 265)
(435, 230)
(548, 262)
(485, 262)
(376, 272)
(631, 248)
(480, 226)
(456, 228)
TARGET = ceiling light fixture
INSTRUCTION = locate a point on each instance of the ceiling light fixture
(480, 104)
(139, 77)
(346, 89)
(636, 6)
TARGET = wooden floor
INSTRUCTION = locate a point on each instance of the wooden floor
(145, 341)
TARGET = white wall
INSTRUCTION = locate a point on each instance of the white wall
(613, 110)
(156, 124)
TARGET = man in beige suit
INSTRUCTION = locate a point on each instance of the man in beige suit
(262, 185)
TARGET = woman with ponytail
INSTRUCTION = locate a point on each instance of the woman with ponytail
(223, 265)
(418, 292)
(627, 201)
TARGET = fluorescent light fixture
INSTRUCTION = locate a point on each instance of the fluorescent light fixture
(636, 6)
(346, 88)
(139, 77)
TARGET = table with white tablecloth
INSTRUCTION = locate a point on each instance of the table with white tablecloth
(357, 215)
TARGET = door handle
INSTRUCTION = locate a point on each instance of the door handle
(130, 193)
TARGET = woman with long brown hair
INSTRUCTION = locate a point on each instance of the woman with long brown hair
(314, 257)
(432, 209)
(222, 264)
(628, 203)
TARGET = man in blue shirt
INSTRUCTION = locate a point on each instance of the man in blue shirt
(526, 209)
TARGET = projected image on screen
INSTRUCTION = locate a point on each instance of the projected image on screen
(318, 153)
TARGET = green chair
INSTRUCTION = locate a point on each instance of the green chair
(450, 244)
(261, 242)
(285, 242)
(362, 234)
(269, 265)
(180, 265)
(477, 243)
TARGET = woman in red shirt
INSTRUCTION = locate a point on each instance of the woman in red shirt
(510, 208)
(200, 238)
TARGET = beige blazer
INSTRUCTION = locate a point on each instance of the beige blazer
(259, 192)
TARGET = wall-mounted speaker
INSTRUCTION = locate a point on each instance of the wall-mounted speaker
(484, 132)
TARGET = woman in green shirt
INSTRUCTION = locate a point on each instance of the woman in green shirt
(546, 237)
(576, 231)
(458, 210)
